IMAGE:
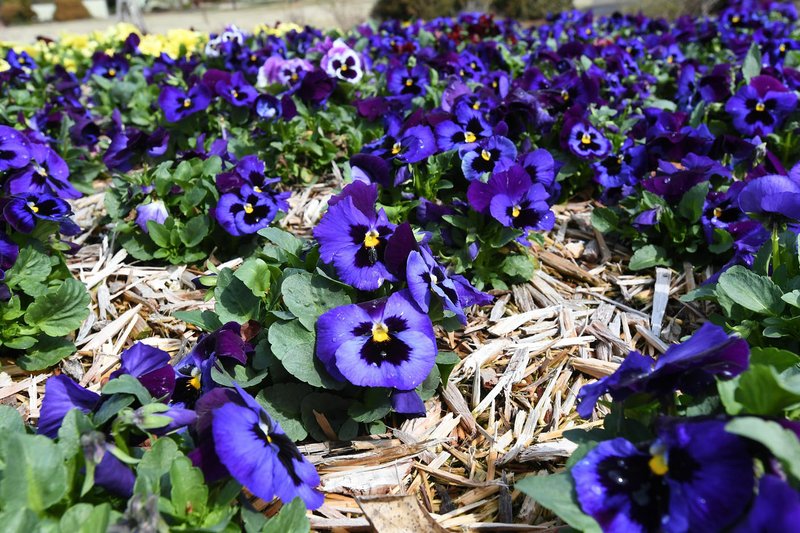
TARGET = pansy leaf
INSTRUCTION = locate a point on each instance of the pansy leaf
(62, 311)
(282, 402)
(308, 296)
(751, 66)
(255, 274)
(518, 267)
(235, 301)
(193, 232)
(446, 361)
(189, 493)
(30, 269)
(691, 204)
(374, 405)
(205, 320)
(760, 391)
(283, 239)
(127, 384)
(293, 345)
(86, 518)
(648, 256)
(46, 352)
(604, 219)
(751, 291)
(155, 463)
(290, 519)
(322, 408)
(36, 478)
(556, 492)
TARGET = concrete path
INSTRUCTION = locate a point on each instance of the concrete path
(319, 13)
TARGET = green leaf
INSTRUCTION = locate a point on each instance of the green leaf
(21, 520)
(556, 493)
(45, 353)
(283, 239)
(194, 231)
(293, 345)
(751, 66)
(446, 361)
(85, 518)
(604, 219)
(282, 401)
(792, 298)
(10, 421)
(62, 311)
(760, 391)
(235, 301)
(518, 266)
(308, 296)
(374, 405)
(205, 320)
(779, 359)
(691, 204)
(751, 291)
(189, 493)
(290, 519)
(159, 233)
(648, 256)
(255, 274)
(127, 384)
(334, 408)
(155, 463)
(36, 477)
(31, 268)
(783, 443)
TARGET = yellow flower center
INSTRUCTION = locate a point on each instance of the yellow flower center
(344, 67)
(195, 382)
(494, 85)
(41, 171)
(476, 106)
(670, 59)
(112, 72)
(234, 93)
(586, 139)
(782, 48)
(294, 76)
(717, 212)
(486, 155)
(409, 82)
(32, 207)
(588, 31)
(735, 19)
(473, 65)
(760, 107)
(515, 211)
(396, 148)
(253, 58)
(187, 102)
(380, 333)
(470, 137)
(565, 95)
(658, 464)
(372, 239)
(248, 208)
(257, 189)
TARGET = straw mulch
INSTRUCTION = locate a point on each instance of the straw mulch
(502, 415)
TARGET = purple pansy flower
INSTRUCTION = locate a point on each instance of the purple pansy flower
(178, 104)
(586, 142)
(414, 145)
(775, 508)
(773, 197)
(109, 472)
(481, 158)
(236, 90)
(408, 81)
(154, 210)
(469, 127)
(690, 366)
(150, 366)
(47, 172)
(353, 237)
(761, 106)
(342, 62)
(61, 395)
(694, 477)
(237, 436)
(513, 200)
(22, 212)
(382, 343)
(14, 149)
(248, 210)
(407, 402)
(285, 71)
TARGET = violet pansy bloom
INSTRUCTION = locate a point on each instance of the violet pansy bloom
(353, 237)
(382, 343)
(773, 197)
(178, 104)
(408, 81)
(481, 158)
(285, 71)
(154, 210)
(469, 127)
(47, 172)
(513, 200)
(236, 90)
(694, 477)
(760, 107)
(690, 366)
(586, 142)
(109, 472)
(342, 62)
(237, 436)
(61, 395)
(407, 402)
(14, 149)
(776, 508)
(22, 212)
(248, 210)
(414, 145)
(150, 366)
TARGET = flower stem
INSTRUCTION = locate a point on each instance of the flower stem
(776, 260)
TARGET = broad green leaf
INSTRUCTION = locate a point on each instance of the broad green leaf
(308, 296)
(85, 518)
(293, 345)
(556, 493)
(783, 443)
(19, 520)
(45, 353)
(283, 239)
(10, 421)
(205, 320)
(648, 256)
(290, 519)
(36, 477)
(155, 463)
(62, 311)
(691, 204)
(235, 301)
(194, 231)
(751, 66)
(751, 291)
(760, 391)
(604, 219)
(446, 361)
(31, 268)
(282, 401)
(374, 405)
(127, 384)
(189, 492)
(255, 274)
(333, 407)
(518, 266)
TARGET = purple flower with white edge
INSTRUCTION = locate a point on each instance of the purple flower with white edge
(154, 210)
(353, 237)
(247, 211)
(178, 104)
(383, 343)
(586, 142)
(284, 71)
(237, 436)
(513, 200)
(481, 158)
(22, 212)
(151, 367)
(694, 477)
(343, 62)
(237, 91)
(14, 149)
(691, 366)
(761, 107)
(47, 172)
(61, 395)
